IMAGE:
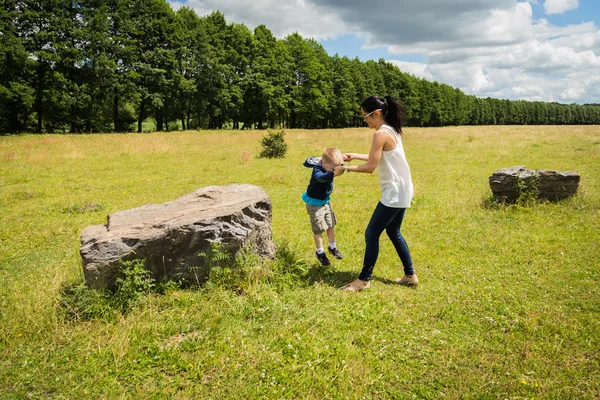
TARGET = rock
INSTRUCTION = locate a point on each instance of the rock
(508, 184)
(171, 236)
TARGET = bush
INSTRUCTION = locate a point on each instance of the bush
(126, 117)
(133, 283)
(274, 145)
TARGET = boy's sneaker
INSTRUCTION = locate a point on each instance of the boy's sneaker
(336, 253)
(323, 259)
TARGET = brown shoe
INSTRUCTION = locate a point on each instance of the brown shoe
(408, 280)
(356, 286)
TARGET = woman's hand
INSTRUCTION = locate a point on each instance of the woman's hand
(348, 156)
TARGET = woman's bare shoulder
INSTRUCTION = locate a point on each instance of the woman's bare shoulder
(380, 132)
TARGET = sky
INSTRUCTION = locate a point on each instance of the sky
(536, 50)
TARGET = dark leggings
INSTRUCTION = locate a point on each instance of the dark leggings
(389, 219)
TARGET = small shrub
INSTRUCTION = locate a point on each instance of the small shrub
(528, 191)
(133, 283)
(274, 145)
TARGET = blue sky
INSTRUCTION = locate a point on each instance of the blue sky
(546, 50)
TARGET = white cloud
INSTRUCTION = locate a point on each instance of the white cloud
(534, 70)
(572, 93)
(472, 78)
(560, 6)
(586, 37)
(280, 17)
(417, 69)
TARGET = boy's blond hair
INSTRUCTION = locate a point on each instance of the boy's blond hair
(333, 155)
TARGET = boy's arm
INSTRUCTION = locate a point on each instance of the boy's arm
(323, 176)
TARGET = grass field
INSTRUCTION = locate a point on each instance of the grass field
(508, 305)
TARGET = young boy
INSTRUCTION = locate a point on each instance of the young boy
(317, 202)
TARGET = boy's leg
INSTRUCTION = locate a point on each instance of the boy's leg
(318, 226)
(331, 222)
(331, 235)
(320, 253)
(318, 238)
(332, 244)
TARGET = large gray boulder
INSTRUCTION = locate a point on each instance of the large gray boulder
(508, 184)
(170, 237)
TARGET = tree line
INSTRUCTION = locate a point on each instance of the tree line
(108, 65)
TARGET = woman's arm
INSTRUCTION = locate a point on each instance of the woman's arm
(372, 159)
(355, 156)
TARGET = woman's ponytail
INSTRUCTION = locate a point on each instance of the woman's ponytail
(396, 113)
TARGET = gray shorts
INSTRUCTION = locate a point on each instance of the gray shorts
(321, 217)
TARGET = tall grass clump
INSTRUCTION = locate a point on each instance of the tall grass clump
(245, 271)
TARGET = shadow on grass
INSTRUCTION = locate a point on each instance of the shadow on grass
(386, 281)
(332, 277)
(329, 276)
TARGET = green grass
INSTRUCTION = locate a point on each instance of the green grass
(507, 307)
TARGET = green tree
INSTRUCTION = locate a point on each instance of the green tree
(148, 28)
(309, 83)
(239, 53)
(192, 61)
(344, 106)
(37, 24)
(264, 96)
(322, 93)
(375, 85)
(17, 96)
(361, 90)
(216, 75)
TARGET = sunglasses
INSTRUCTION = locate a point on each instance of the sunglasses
(365, 116)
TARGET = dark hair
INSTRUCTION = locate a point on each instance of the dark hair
(394, 112)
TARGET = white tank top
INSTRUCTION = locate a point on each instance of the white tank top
(394, 174)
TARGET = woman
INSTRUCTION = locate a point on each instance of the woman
(386, 116)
